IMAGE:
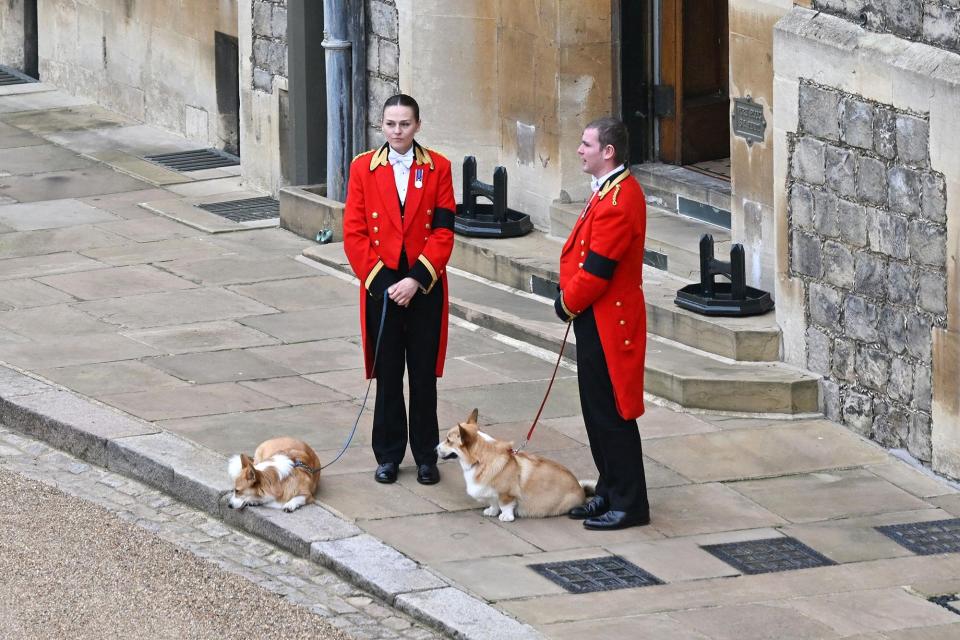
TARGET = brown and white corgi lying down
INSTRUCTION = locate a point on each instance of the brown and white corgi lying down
(283, 474)
(511, 483)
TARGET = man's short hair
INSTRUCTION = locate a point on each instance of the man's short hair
(612, 131)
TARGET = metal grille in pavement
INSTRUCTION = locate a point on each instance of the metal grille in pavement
(926, 538)
(768, 556)
(195, 160)
(595, 574)
(247, 210)
(11, 76)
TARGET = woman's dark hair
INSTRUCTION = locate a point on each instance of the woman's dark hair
(402, 100)
(612, 131)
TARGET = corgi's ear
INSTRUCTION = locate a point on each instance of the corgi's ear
(473, 417)
(466, 435)
(248, 470)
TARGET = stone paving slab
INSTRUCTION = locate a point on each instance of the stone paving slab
(201, 336)
(52, 213)
(64, 352)
(316, 356)
(146, 229)
(731, 455)
(220, 366)
(61, 239)
(135, 139)
(301, 293)
(39, 159)
(357, 496)
(117, 282)
(309, 324)
(706, 508)
(108, 378)
(82, 117)
(185, 213)
(176, 307)
(239, 270)
(158, 251)
(192, 401)
(26, 294)
(295, 390)
(11, 137)
(139, 168)
(823, 496)
(52, 322)
(76, 183)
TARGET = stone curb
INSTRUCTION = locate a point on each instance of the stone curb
(197, 476)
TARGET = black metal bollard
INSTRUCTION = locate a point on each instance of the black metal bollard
(732, 298)
(494, 220)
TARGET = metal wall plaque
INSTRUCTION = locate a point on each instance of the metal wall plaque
(748, 120)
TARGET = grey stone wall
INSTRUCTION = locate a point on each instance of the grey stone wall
(867, 220)
(935, 22)
(269, 42)
(383, 62)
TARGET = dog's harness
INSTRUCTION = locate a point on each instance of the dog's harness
(547, 394)
(297, 464)
(353, 432)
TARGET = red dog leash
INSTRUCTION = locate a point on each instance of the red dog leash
(547, 394)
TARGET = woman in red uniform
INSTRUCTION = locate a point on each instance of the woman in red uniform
(398, 235)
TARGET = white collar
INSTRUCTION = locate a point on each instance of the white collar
(596, 183)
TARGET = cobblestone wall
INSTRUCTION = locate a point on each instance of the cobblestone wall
(383, 62)
(269, 42)
(867, 220)
(935, 22)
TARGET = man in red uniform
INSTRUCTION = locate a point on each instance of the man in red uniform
(601, 292)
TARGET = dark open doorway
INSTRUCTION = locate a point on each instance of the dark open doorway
(31, 56)
(675, 79)
(227, 64)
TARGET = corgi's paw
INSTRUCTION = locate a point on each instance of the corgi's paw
(506, 517)
(294, 503)
(491, 511)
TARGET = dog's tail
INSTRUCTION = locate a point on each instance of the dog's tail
(589, 487)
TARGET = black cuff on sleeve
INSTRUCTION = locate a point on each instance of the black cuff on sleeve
(600, 266)
(383, 281)
(421, 274)
(443, 219)
(558, 307)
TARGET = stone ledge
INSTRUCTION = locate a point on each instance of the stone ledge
(190, 473)
(463, 616)
(296, 531)
(374, 566)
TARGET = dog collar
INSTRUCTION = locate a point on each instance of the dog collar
(309, 469)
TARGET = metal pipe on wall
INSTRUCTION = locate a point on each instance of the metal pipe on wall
(337, 44)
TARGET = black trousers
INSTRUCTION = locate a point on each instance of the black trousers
(411, 339)
(614, 442)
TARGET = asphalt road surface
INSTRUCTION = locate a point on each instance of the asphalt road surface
(72, 569)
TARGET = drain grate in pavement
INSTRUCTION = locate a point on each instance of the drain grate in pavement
(926, 538)
(195, 160)
(595, 574)
(12, 76)
(768, 556)
(248, 210)
(950, 602)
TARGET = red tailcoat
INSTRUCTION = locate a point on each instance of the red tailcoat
(374, 231)
(601, 265)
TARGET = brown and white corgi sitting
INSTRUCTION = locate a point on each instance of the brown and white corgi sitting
(283, 474)
(512, 483)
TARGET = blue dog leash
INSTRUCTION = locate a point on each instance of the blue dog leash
(376, 351)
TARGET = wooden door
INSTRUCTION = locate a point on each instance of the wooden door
(694, 62)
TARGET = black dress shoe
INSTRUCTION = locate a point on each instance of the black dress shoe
(386, 473)
(595, 506)
(616, 520)
(428, 474)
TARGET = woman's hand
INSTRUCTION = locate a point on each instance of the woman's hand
(402, 292)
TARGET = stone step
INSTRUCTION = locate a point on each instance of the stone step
(672, 243)
(530, 264)
(687, 377)
(685, 191)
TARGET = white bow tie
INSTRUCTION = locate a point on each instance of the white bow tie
(595, 184)
(406, 159)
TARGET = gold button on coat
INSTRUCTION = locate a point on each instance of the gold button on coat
(619, 304)
(427, 226)
(623, 322)
(376, 243)
(374, 215)
(627, 342)
(376, 229)
(580, 265)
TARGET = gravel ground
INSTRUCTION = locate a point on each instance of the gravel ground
(73, 569)
(86, 553)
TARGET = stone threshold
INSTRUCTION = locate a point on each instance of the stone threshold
(197, 476)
